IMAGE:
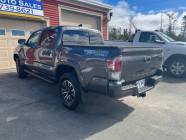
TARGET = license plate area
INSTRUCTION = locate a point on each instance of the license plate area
(140, 85)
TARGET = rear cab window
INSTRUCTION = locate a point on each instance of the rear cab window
(149, 37)
(96, 38)
(75, 37)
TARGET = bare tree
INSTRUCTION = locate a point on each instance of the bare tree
(171, 17)
(184, 26)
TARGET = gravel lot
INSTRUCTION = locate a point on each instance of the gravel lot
(30, 109)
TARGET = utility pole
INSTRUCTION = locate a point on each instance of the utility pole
(130, 26)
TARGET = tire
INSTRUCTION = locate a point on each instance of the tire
(177, 67)
(69, 89)
(20, 69)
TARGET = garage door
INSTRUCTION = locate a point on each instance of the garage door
(10, 31)
(75, 18)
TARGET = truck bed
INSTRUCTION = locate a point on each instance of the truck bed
(137, 62)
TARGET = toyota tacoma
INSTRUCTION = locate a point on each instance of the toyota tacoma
(76, 59)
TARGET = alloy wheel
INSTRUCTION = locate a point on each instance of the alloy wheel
(68, 92)
(177, 68)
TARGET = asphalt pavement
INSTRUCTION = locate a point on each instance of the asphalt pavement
(31, 109)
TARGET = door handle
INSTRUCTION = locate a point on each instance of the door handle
(168, 50)
(147, 59)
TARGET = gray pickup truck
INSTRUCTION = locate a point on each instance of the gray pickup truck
(77, 59)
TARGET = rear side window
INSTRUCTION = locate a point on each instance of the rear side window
(49, 38)
(18, 33)
(2, 32)
(148, 37)
(73, 37)
(96, 38)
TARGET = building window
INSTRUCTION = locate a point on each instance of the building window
(2, 32)
(18, 33)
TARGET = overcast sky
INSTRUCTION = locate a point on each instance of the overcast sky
(146, 13)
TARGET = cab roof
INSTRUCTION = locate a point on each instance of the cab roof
(70, 28)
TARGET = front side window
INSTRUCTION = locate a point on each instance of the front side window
(148, 37)
(96, 38)
(18, 33)
(49, 38)
(166, 37)
(34, 39)
(2, 32)
(73, 37)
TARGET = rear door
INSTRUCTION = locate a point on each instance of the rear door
(45, 53)
(139, 63)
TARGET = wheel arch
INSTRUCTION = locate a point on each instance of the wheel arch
(64, 68)
(173, 57)
(16, 56)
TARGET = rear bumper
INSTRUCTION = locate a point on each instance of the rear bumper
(120, 89)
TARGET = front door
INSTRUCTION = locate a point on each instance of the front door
(30, 50)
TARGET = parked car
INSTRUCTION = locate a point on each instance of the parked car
(174, 60)
(77, 59)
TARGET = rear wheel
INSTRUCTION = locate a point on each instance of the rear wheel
(70, 91)
(177, 67)
(20, 69)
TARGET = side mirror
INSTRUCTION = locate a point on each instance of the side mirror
(159, 42)
(22, 41)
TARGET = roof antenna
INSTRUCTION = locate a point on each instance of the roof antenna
(80, 25)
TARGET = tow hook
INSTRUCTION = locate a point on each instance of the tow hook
(143, 95)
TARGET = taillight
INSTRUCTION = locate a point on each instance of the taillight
(115, 64)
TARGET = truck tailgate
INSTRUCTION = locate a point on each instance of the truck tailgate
(139, 63)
